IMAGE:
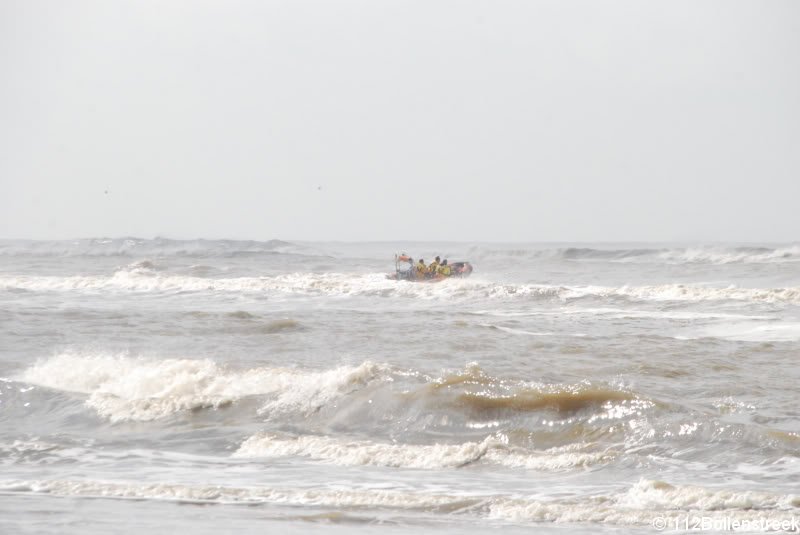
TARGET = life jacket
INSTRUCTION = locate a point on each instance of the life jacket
(420, 270)
(444, 271)
(433, 267)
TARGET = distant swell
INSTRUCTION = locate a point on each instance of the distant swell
(709, 254)
(144, 247)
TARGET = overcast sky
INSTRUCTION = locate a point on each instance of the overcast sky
(385, 120)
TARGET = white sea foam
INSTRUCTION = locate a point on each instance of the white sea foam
(648, 494)
(736, 255)
(435, 456)
(640, 505)
(683, 292)
(350, 453)
(620, 313)
(670, 506)
(376, 285)
(326, 284)
(222, 494)
(123, 388)
(749, 332)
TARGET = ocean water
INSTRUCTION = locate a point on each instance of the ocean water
(214, 386)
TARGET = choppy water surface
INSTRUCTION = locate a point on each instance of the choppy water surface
(223, 386)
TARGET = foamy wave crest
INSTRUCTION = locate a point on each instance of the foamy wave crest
(492, 449)
(641, 505)
(139, 280)
(221, 494)
(365, 453)
(376, 285)
(123, 388)
(672, 505)
(326, 284)
(145, 280)
(731, 255)
(658, 495)
(683, 292)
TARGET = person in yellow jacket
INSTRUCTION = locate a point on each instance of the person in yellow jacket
(444, 269)
(433, 269)
(421, 270)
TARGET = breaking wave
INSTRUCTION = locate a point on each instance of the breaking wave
(493, 449)
(143, 278)
(505, 422)
(648, 500)
(636, 505)
(122, 388)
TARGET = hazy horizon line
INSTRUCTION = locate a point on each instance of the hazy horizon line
(406, 240)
